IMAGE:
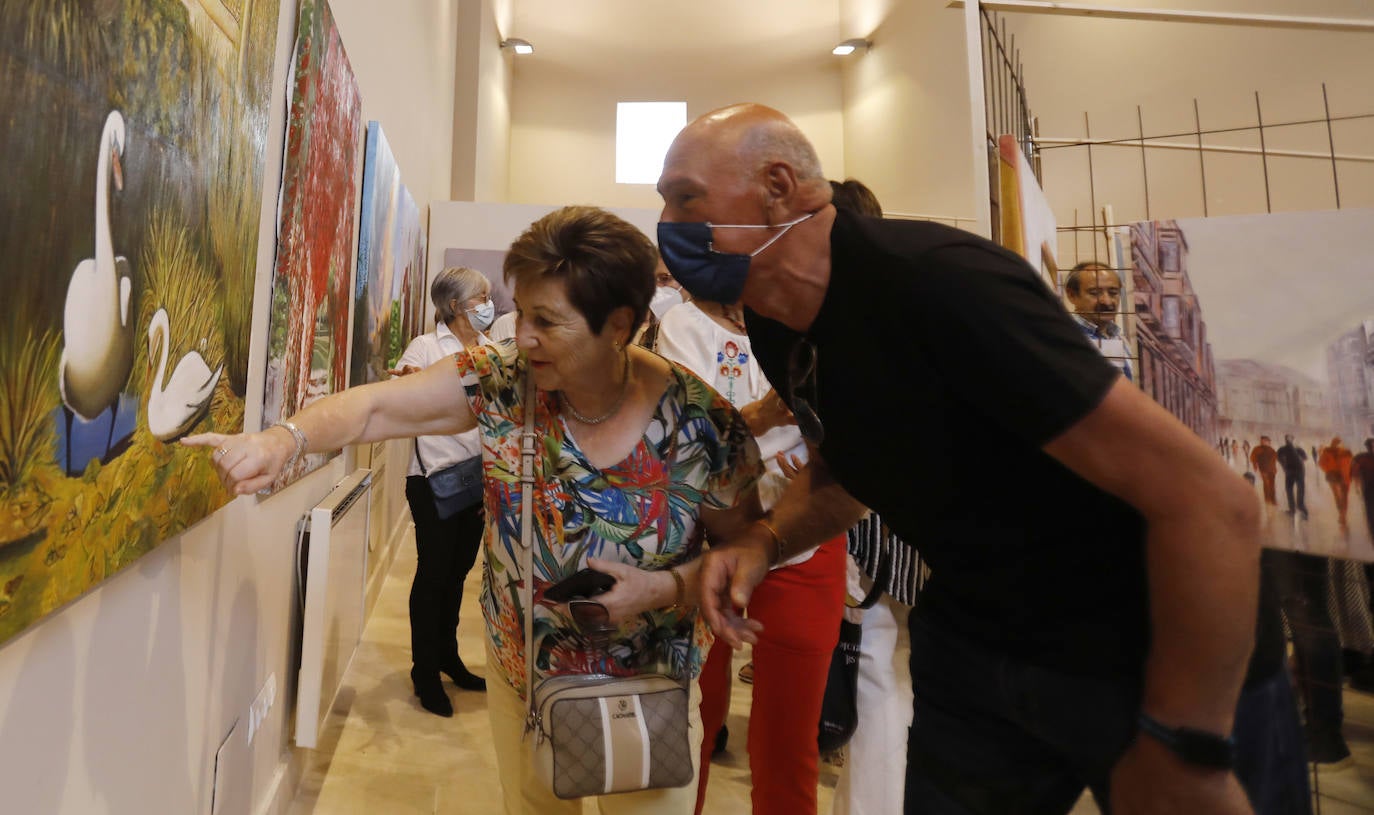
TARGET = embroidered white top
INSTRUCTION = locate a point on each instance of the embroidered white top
(725, 360)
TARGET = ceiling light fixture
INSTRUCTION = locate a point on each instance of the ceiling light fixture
(849, 46)
(518, 45)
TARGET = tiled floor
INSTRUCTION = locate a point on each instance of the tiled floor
(382, 754)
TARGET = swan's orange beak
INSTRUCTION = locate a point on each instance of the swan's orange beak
(118, 169)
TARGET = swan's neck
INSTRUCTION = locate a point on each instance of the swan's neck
(104, 246)
(160, 339)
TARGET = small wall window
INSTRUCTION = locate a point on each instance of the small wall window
(643, 132)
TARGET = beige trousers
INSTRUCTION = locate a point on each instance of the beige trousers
(527, 794)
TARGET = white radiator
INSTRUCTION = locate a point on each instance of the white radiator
(332, 566)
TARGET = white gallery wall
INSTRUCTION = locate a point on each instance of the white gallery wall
(119, 702)
(481, 107)
(906, 106)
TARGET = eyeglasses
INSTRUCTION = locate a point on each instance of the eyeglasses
(801, 390)
(593, 621)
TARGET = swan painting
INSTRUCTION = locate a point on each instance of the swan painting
(175, 409)
(98, 340)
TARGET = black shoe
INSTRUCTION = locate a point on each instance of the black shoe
(1331, 751)
(462, 677)
(431, 693)
(722, 735)
(1362, 679)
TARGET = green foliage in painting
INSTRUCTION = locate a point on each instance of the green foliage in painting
(27, 398)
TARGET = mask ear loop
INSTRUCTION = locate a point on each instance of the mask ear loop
(785, 227)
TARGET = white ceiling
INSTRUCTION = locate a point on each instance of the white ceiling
(593, 38)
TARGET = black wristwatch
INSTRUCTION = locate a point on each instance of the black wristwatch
(1197, 747)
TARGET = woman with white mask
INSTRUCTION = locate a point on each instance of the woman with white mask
(446, 547)
(667, 294)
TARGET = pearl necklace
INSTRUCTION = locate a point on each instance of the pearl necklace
(619, 400)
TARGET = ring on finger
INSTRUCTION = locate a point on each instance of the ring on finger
(221, 453)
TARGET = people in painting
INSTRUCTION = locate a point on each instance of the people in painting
(1091, 628)
(1293, 460)
(1093, 289)
(1266, 461)
(445, 548)
(1334, 462)
(638, 458)
(798, 604)
(1362, 478)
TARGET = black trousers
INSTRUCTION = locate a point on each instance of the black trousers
(445, 549)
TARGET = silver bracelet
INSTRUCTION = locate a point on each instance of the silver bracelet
(299, 436)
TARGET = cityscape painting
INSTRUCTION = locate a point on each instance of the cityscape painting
(1258, 332)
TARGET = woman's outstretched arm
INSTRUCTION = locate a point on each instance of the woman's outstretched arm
(429, 403)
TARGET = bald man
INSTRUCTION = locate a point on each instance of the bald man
(1090, 627)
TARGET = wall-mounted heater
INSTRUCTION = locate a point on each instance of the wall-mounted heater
(331, 564)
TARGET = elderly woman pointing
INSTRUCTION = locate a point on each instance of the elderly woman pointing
(639, 458)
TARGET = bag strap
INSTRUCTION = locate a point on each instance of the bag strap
(879, 580)
(424, 471)
(527, 498)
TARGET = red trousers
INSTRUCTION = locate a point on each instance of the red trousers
(800, 608)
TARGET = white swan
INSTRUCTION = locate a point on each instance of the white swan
(174, 410)
(98, 336)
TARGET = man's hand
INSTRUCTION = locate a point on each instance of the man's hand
(767, 413)
(729, 574)
(1150, 780)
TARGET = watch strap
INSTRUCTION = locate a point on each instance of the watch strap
(1197, 747)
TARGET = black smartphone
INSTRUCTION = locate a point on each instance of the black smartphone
(586, 583)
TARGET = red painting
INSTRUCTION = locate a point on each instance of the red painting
(307, 348)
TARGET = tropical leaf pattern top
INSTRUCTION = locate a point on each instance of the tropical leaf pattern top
(644, 511)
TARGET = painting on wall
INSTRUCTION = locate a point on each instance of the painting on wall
(135, 144)
(1026, 222)
(306, 347)
(389, 292)
(489, 262)
(1258, 332)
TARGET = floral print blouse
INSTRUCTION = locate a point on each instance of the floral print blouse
(696, 452)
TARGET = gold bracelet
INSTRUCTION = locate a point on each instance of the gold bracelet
(778, 541)
(681, 600)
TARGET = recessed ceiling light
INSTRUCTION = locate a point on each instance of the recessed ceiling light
(849, 46)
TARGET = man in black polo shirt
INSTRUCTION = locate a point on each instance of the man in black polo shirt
(1113, 592)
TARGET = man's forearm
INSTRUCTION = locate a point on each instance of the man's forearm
(1204, 586)
(813, 509)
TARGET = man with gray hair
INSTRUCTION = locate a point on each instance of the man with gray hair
(1091, 627)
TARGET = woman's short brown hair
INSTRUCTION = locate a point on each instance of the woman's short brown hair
(605, 262)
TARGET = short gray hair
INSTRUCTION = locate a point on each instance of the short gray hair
(455, 283)
(781, 140)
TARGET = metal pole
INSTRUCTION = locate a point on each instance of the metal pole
(1201, 156)
(1264, 157)
(1331, 142)
(1144, 170)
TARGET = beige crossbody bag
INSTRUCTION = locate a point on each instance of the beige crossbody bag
(595, 734)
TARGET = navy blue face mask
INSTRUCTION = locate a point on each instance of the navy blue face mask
(688, 252)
